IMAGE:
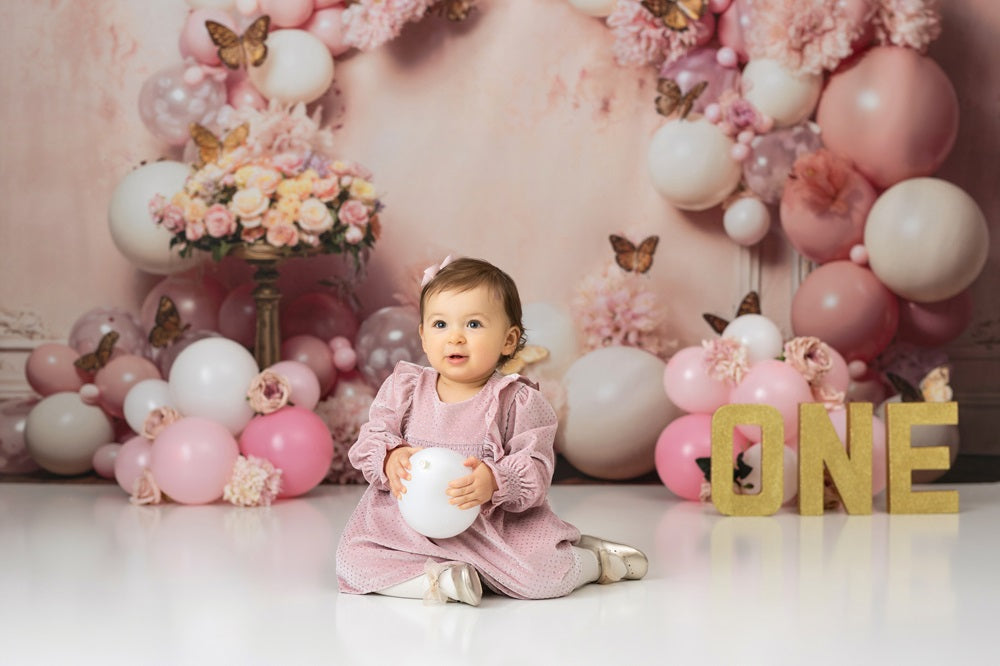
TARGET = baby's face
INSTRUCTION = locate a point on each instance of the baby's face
(464, 334)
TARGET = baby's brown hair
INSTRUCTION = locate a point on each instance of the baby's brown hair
(468, 273)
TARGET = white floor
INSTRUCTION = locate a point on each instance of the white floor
(86, 578)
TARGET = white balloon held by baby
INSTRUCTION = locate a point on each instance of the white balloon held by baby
(425, 504)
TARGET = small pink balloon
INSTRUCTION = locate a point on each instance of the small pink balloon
(132, 458)
(248, 7)
(304, 383)
(238, 315)
(340, 342)
(327, 24)
(118, 377)
(935, 324)
(192, 460)
(195, 41)
(104, 460)
(718, 6)
(859, 255)
(345, 359)
(241, 94)
(839, 419)
(287, 13)
(314, 353)
(323, 4)
(49, 369)
(733, 24)
(740, 151)
(727, 57)
(90, 394)
(197, 301)
(684, 440)
(688, 385)
(319, 314)
(857, 369)
(778, 384)
(296, 441)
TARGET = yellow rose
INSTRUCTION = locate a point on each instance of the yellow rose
(294, 188)
(289, 207)
(192, 208)
(264, 179)
(363, 190)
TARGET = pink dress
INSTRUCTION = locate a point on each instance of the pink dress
(517, 543)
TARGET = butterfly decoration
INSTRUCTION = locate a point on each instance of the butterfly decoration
(211, 147)
(246, 50)
(453, 10)
(678, 15)
(632, 258)
(740, 472)
(529, 354)
(671, 98)
(907, 391)
(97, 359)
(749, 305)
(167, 326)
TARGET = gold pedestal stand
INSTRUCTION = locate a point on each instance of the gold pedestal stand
(265, 259)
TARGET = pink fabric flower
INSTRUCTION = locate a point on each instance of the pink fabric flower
(824, 180)
(268, 392)
(831, 397)
(254, 482)
(935, 386)
(911, 23)
(726, 360)
(642, 39)
(805, 36)
(344, 413)
(157, 420)
(145, 490)
(810, 356)
(353, 213)
(219, 221)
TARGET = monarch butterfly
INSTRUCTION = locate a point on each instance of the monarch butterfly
(167, 325)
(749, 305)
(97, 359)
(244, 50)
(634, 258)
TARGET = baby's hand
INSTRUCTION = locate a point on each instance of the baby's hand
(477, 488)
(397, 468)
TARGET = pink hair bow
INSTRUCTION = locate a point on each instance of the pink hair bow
(432, 271)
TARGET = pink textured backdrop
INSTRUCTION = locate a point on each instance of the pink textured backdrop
(514, 137)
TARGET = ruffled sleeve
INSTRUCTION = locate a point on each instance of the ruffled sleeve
(520, 451)
(383, 431)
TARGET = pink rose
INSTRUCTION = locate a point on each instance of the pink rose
(195, 230)
(157, 420)
(353, 213)
(219, 221)
(314, 216)
(249, 235)
(354, 235)
(288, 163)
(810, 356)
(268, 392)
(282, 234)
(146, 491)
(326, 189)
(172, 219)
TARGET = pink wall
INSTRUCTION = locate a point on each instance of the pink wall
(513, 137)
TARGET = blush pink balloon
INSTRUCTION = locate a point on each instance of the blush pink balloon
(104, 460)
(733, 24)
(117, 378)
(287, 13)
(296, 441)
(688, 385)
(328, 26)
(846, 306)
(304, 383)
(838, 376)
(778, 384)
(893, 112)
(195, 41)
(192, 460)
(241, 94)
(839, 419)
(131, 460)
(684, 440)
(314, 353)
(197, 301)
(238, 315)
(934, 324)
(345, 359)
(319, 314)
(49, 369)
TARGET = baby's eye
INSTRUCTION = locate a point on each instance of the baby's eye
(475, 323)
(438, 324)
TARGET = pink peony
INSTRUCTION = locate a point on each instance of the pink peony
(810, 356)
(726, 360)
(911, 23)
(805, 36)
(268, 392)
(254, 482)
(194, 230)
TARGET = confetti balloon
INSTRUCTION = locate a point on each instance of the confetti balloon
(386, 337)
(772, 155)
(168, 104)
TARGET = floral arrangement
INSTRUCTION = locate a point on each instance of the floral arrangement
(271, 183)
(370, 23)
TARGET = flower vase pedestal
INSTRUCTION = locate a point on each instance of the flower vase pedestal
(267, 341)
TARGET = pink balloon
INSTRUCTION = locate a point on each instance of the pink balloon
(733, 24)
(318, 314)
(287, 13)
(824, 206)
(688, 385)
(719, 6)
(192, 460)
(116, 378)
(839, 419)
(934, 324)
(104, 460)
(846, 306)
(131, 460)
(702, 65)
(241, 94)
(49, 369)
(197, 301)
(778, 384)
(316, 354)
(296, 441)
(328, 26)
(305, 384)
(238, 315)
(838, 376)
(683, 441)
(345, 359)
(893, 112)
(195, 41)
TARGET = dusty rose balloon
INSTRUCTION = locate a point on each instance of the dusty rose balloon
(772, 156)
(733, 24)
(117, 378)
(846, 306)
(327, 25)
(934, 324)
(192, 460)
(893, 112)
(194, 38)
(104, 460)
(87, 331)
(318, 314)
(132, 459)
(824, 206)
(197, 301)
(238, 315)
(927, 239)
(680, 444)
(49, 369)
(315, 354)
(14, 455)
(168, 105)
(304, 383)
(701, 65)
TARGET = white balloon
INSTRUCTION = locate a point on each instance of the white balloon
(210, 379)
(144, 397)
(690, 163)
(776, 92)
(760, 335)
(135, 234)
(790, 472)
(927, 239)
(599, 8)
(425, 504)
(298, 68)
(946, 435)
(747, 221)
(62, 433)
(616, 409)
(552, 327)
